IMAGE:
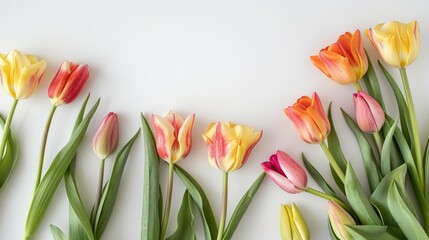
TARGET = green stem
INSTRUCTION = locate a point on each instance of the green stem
(332, 161)
(416, 146)
(358, 87)
(6, 128)
(224, 206)
(167, 201)
(43, 146)
(378, 141)
(99, 190)
(327, 197)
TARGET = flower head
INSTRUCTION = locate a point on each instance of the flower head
(106, 138)
(292, 224)
(309, 117)
(173, 135)
(230, 144)
(285, 172)
(68, 82)
(345, 61)
(369, 114)
(20, 73)
(397, 43)
(339, 218)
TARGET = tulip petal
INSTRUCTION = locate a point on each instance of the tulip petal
(184, 137)
(75, 83)
(164, 136)
(339, 67)
(279, 179)
(292, 170)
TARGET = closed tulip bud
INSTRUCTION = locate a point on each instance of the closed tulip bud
(397, 43)
(292, 224)
(68, 82)
(229, 145)
(286, 173)
(106, 138)
(339, 218)
(345, 61)
(309, 118)
(20, 74)
(173, 136)
(369, 114)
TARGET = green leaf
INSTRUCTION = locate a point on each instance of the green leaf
(426, 161)
(402, 104)
(396, 159)
(409, 225)
(57, 233)
(372, 84)
(47, 187)
(373, 232)
(318, 178)
(335, 148)
(386, 165)
(358, 200)
(242, 206)
(151, 220)
(202, 202)
(379, 197)
(372, 171)
(185, 220)
(10, 157)
(108, 199)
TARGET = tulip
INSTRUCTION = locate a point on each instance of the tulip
(345, 61)
(20, 74)
(397, 43)
(173, 135)
(309, 118)
(230, 144)
(339, 219)
(285, 172)
(369, 114)
(68, 82)
(106, 138)
(292, 224)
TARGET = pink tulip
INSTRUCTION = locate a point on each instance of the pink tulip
(285, 172)
(369, 114)
(106, 138)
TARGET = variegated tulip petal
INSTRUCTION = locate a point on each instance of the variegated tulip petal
(184, 138)
(164, 136)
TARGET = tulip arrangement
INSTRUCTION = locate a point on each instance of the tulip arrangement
(391, 152)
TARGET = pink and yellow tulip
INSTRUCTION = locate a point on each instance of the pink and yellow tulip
(285, 172)
(397, 43)
(345, 61)
(20, 74)
(68, 82)
(369, 114)
(173, 135)
(339, 218)
(230, 144)
(309, 118)
(106, 138)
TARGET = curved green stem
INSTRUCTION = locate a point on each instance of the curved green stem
(332, 161)
(416, 146)
(6, 128)
(378, 141)
(224, 206)
(358, 86)
(43, 146)
(167, 201)
(99, 190)
(327, 197)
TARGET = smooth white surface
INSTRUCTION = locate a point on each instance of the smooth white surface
(243, 61)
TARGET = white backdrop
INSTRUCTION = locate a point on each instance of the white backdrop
(243, 61)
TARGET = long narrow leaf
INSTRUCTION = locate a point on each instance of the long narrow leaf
(373, 232)
(185, 220)
(151, 220)
(47, 187)
(108, 200)
(372, 84)
(385, 162)
(426, 161)
(318, 178)
(202, 202)
(7, 163)
(242, 206)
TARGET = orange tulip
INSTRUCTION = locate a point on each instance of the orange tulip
(309, 117)
(345, 61)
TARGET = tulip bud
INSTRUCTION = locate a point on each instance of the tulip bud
(20, 74)
(397, 43)
(339, 218)
(106, 138)
(292, 224)
(369, 114)
(345, 61)
(286, 173)
(68, 82)
(230, 144)
(173, 135)
(309, 118)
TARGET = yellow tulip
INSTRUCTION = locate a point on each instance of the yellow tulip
(292, 224)
(398, 43)
(20, 73)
